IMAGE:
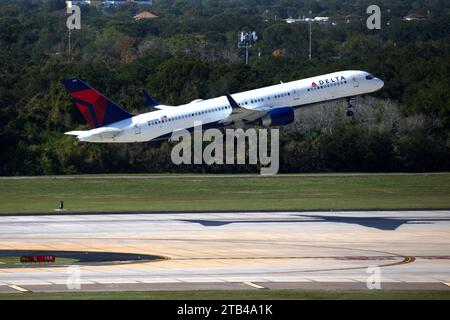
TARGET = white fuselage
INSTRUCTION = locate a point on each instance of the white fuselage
(151, 125)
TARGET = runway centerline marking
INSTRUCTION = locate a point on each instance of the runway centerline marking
(254, 285)
(13, 286)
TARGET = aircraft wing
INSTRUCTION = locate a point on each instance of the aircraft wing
(95, 134)
(243, 114)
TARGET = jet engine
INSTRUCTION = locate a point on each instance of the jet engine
(278, 117)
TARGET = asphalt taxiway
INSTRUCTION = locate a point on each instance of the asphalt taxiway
(234, 250)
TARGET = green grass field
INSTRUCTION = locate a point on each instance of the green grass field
(215, 192)
(237, 295)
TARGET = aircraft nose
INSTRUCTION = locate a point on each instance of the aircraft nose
(380, 83)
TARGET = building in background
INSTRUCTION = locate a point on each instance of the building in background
(414, 17)
(107, 3)
(145, 15)
(306, 20)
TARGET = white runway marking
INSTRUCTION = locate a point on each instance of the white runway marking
(18, 288)
(251, 284)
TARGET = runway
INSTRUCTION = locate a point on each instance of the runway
(236, 250)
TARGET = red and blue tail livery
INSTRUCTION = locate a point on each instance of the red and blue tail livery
(96, 109)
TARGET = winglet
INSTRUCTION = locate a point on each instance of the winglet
(150, 100)
(233, 103)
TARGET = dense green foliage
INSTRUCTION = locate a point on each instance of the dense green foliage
(190, 52)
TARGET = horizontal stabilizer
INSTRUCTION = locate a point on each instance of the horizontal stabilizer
(95, 134)
(76, 133)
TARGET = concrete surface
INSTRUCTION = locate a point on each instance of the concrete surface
(323, 250)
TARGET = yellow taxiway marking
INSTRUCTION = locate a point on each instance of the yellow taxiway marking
(254, 285)
(18, 288)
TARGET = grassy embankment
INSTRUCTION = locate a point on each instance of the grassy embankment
(252, 192)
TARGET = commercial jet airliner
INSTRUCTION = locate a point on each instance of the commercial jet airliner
(269, 106)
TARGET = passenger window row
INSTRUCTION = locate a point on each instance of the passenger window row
(155, 122)
(328, 85)
(277, 96)
(185, 116)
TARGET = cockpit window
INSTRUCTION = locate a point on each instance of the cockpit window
(369, 77)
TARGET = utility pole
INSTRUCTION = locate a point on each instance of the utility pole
(73, 22)
(245, 41)
(70, 45)
(310, 36)
(246, 55)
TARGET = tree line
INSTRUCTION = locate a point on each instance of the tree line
(190, 53)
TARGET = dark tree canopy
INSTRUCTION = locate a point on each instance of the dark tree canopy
(190, 52)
